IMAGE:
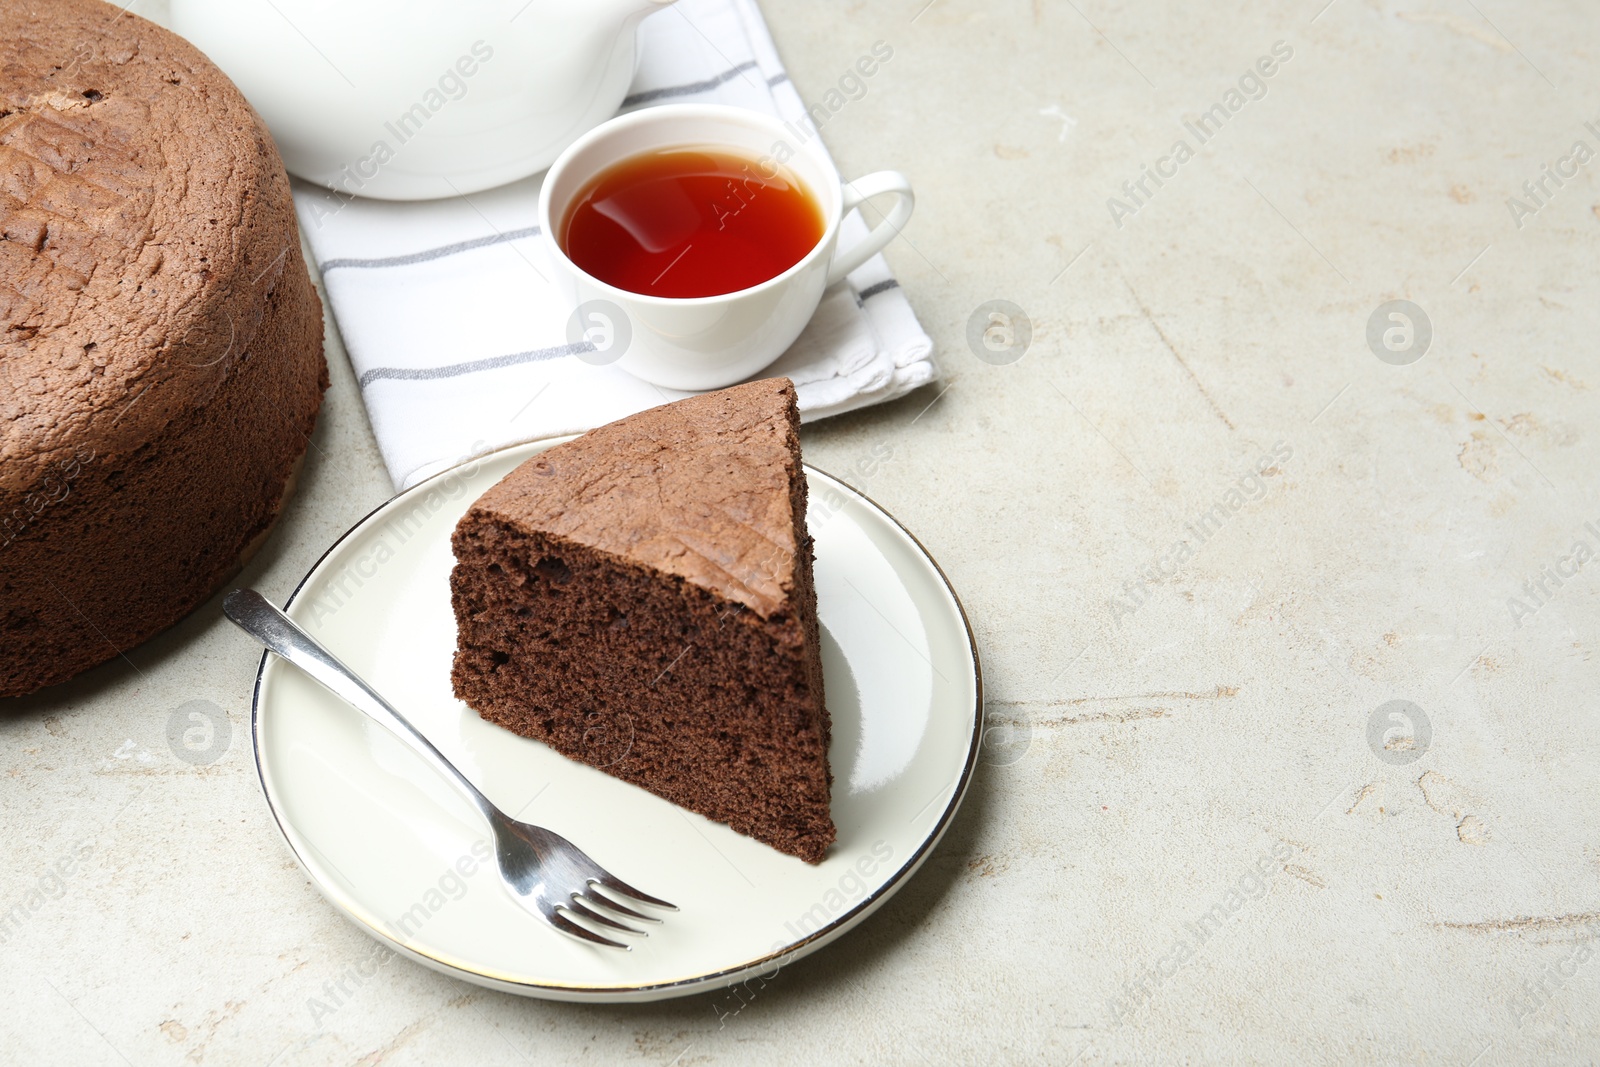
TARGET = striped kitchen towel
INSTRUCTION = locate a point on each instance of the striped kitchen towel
(459, 345)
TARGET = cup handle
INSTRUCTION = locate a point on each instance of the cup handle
(883, 181)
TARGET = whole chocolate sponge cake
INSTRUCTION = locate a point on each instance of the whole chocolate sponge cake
(160, 341)
(641, 600)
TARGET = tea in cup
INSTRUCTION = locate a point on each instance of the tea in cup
(713, 229)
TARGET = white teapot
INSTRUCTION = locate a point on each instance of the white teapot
(418, 99)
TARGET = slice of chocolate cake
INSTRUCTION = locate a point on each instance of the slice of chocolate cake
(640, 599)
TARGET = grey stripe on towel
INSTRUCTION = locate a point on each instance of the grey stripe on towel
(690, 89)
(455, 370)
(433, 253)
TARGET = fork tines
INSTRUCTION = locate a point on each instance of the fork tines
(579, 904)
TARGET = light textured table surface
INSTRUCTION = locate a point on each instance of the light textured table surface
(1202, 840)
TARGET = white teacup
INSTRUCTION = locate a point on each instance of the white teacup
(712, 341)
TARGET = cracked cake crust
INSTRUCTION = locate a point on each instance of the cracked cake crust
(160, 341)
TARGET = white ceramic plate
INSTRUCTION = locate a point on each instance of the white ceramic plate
(391, 845)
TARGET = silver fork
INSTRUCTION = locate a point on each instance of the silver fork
(544, 871)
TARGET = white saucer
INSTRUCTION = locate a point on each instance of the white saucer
(388, 842)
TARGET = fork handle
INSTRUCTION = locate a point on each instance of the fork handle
(260, 618)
